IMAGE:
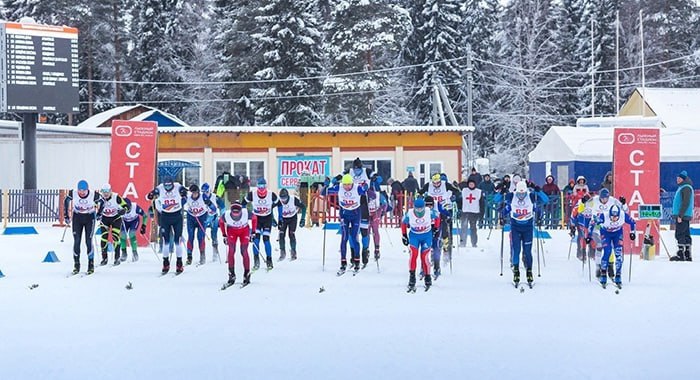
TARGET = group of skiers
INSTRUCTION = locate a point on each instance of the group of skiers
(596, 222)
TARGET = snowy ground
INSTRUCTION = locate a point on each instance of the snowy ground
(472, 324)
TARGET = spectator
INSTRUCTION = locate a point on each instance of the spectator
(475, 176)
(486, 186)
(396, 196)
(514, 182)
(569, 189)
(410, 184)
(580, 188)
(504, 186)
(607, 182)
(683, 205)
(551, 209)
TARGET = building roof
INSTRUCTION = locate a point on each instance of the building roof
(56, 129)
(150, 113)
(677, 107)
(562, 144)
(331, 129)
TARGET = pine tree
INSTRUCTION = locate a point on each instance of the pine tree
(362, 36)
(290, 41)
(437, 36)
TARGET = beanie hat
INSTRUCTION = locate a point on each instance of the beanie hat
(683, 175)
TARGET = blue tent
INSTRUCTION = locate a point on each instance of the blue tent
(568, 152)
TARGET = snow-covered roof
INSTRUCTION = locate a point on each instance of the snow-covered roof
(677, 107)
(100, 118)
(330, 129)
(148, 114)
(561, 144)
(15, 125)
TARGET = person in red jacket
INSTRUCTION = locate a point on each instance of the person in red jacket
(235, 226)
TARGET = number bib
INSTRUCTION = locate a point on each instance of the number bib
(237, 224)
(84, 205)
(521, 209)
(289, 209)
(170, 201)
(196, 207)
(110, 206)
(349, 200)
(262, 206)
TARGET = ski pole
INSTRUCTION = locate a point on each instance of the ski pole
(571, 243)
(324, 222)
(64, 232)
(503, 232)
(588, 258)
(629, 279)
(537, 241)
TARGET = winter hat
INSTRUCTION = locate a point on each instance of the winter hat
(604, 193)
(419, 203)
(429, 201)
(236, 207)
(357, 163)
(683, 175)
(284, 193)
(521, 187)
(581, 178)
(194, 188)
(346, 180)
(471, 180)
(205, 188)
(82, 185)
(262, 182)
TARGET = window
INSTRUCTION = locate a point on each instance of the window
(187, 176)
(426, 170)
(253, 169)
(381, 166)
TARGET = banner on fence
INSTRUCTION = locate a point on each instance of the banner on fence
(133, 161)
(291, 168)
(636, 156)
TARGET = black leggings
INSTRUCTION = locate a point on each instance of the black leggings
(171, 222)
(83, 222)
(114, 225)
(291, 225)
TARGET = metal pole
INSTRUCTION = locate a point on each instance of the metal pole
(29, 140)
(592, 71)
(641, 38)
(470, 97)
(617, 63)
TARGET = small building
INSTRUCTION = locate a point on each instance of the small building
(281, 153)
(137, 112)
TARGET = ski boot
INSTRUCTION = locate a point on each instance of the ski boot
(294, 255)
(445, 244)
(91, 266)
(123, 256)
(376, 253)
(355, 265)
(117, 261)
(618, 281)
(611, 271)
(166, 265)
(516, 276)
(597, 271)
(603, 278)
(76, 266)
(178, 266)
(268, 261)
(436, 269)
(428, 282)
(283, 254)
(246, 278)
(231, 278)
(680, 255)
(688, 250)
(202, 258)
(365, 257)
(343, 266)
(528, 275)
(189, 258)
(256, 262)
(104, 259)
(411, 282)
(134, 256)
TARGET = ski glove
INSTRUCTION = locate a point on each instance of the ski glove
(143, 229)
(225, 240)
(623, 200)
(588, 240)
(66, 220)
(633, 236)
(572, 231)
(502, 221)
(302, 222)
(275, 222)
(207, 201)
(436, 232)
(404, 240)
(183, 191)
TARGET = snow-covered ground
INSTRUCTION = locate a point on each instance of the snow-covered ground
(471, 324)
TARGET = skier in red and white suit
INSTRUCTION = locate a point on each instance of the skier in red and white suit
(235, 226)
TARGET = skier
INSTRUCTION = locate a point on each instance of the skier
(424, 228)
(364, 177)
(170, 194)
(600, 204)
(213, 218)
(472, 211)
(111, 208)
(349, 200)
(83, 211)
(262, 202)
(134, 217)
(437, 241)
(198, 207)
(521, 208)
(581, 215)
(377, 205)
(234, 227)
(287, 211)
(611, 224)
(443, 193)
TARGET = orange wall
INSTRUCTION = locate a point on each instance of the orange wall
(296, 141)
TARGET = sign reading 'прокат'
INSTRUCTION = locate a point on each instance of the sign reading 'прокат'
(38, 68)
